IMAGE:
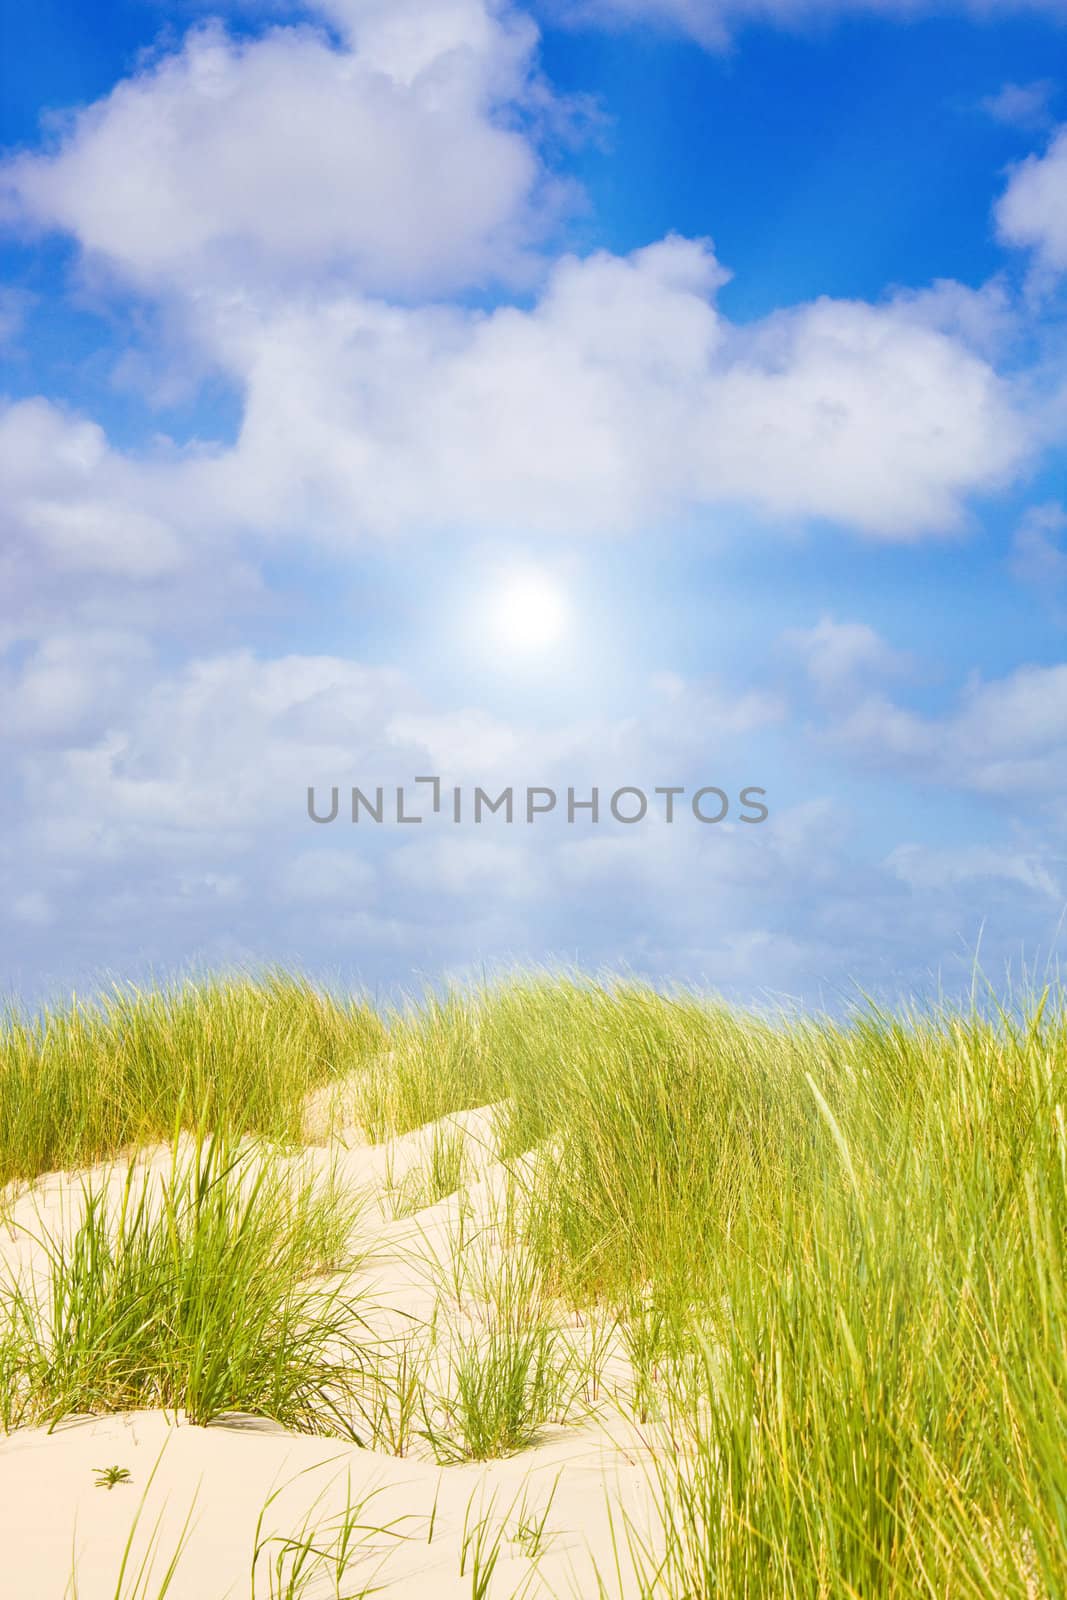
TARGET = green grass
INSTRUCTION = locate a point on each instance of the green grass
(505, 1385)
(334, 1558)
(508, 1376)
(836, 1252)
(196, 1293)
(441, 1173)
(82, 1084)
(848, 1244)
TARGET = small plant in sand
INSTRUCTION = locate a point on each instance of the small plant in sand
(146, 1576)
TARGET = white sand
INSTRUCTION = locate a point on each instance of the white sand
(54, 1519)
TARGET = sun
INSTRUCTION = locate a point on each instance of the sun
(528, 612)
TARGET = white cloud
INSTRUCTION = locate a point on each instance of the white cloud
(272, 158)
(942, 869)
(621, 398)
(985, 320)
(1007, 738)
(713, 21)
(404, 39)
(94, 539)
(227, 746)
(218, 751)
(77, 503)
(1021, 105)
(839, 656)
(706, 710)
(273, 184)
(322, 877)
(194, 793)
(1032, 212)
(180, 834)
(103, 537)
(1037, 553)
(70, 684)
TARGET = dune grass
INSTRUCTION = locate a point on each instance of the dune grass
(835, 1251)
(241, 1056)
(441, 1173)
(509, 1376)
(196, 1294)
(838, 1254)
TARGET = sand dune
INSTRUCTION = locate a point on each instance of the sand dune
(416, 1522)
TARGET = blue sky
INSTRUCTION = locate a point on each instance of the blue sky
(736, 329)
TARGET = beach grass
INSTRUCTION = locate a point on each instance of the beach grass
(834, 1250)
(83, 1082)
(847, 1242)
(199, 1293)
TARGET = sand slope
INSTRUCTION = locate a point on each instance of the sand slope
(415, 1516)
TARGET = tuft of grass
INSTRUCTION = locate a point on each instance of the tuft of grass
(341, 1557)
(531, 1524)
(479, 1549)
(387, 1399)
(507, 1378)
(505, 1387)
(197, 1294)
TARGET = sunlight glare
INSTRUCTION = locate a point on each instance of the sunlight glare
(528, 612)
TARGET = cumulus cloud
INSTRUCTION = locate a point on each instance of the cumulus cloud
(985, 319)
(288, 187)
(177, 831)
(839, 657)
(1007, 737)
(194, 789)
(1032, 212)
(77, 503)
(621, 397)
(94, 538)
(68, 685)
(708, 710)
(394, 159)
(228, 745)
